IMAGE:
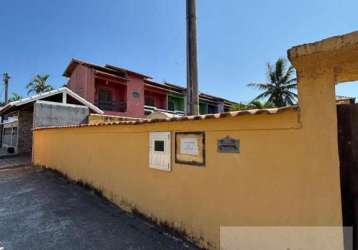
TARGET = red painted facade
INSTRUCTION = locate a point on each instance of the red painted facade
(135, 96)
(155, 97)
(123, 92)
(82, 82)
(113, 94)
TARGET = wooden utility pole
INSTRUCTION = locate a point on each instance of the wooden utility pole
(192, 61)
(6, 79)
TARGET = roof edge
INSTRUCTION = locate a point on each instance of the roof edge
(272, 111)
(34, 98)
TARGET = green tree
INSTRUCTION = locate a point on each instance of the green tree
(281, 85)
(252, 105)
(238, 106)
(14, 97)
(260, 105)
(39, 85)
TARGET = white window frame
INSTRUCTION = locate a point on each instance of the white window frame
(11, 125)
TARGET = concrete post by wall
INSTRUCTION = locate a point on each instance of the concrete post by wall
(320, 66)
(25, 131)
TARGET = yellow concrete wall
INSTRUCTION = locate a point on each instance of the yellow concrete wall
(287, 173)
(277, 179)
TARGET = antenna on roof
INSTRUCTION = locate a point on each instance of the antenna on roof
(192, 61)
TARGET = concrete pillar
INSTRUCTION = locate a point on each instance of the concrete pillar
(64, 97)
(320, 66)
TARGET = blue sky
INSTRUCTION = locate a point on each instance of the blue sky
(236, 38)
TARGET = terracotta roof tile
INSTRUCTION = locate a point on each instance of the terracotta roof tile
(271, 111)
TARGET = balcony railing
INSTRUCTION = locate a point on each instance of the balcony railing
(116, 106)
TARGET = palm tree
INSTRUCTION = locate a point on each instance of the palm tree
(279, 90)
(15, 97)
(39, 84)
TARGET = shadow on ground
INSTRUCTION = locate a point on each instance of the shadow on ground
(14, 161)
(41, 210)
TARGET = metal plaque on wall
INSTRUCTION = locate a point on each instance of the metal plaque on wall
(229, 145)
(135, 94)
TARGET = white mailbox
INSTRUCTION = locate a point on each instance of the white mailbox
(160, 151)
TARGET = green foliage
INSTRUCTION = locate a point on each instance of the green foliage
(280, 87)
(261, 105)
(238, 106)
(252, 105)
(14, 97)
(39, 85)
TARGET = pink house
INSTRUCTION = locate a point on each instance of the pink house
(123, 92)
